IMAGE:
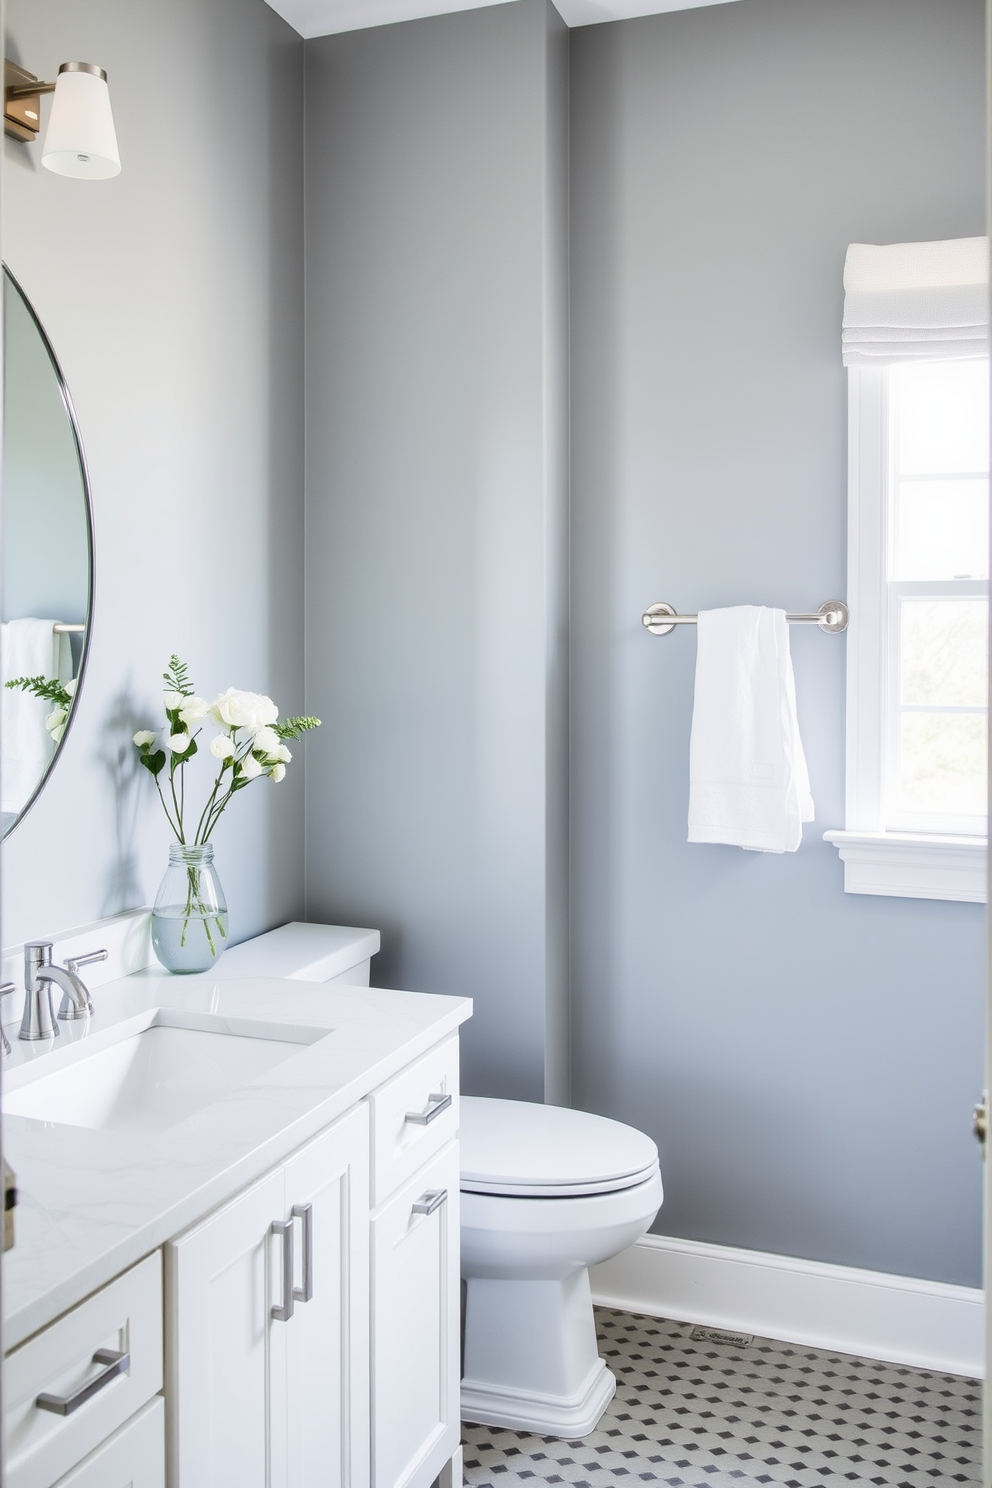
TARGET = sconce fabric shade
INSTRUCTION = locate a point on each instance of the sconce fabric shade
(81, 139)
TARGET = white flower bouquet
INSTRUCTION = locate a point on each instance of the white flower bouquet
(251, 744)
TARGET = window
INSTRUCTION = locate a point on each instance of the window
(918, 591)
(936, 607)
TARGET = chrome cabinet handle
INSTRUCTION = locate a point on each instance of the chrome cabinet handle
(64, 1405)
(283, 1228)
(305, 1212)
(431, 1200)
(435, 1105)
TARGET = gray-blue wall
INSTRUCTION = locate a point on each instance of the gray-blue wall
(806, 1060)
(436, 516)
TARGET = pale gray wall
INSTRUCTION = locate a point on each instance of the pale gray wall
(806, 1060)
(436, 515)
(173, 298)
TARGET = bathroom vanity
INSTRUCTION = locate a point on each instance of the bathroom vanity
(236, 1260)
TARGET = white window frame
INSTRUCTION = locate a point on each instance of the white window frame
(910, 865)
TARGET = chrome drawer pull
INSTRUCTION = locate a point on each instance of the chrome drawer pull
(283, 1228)
(431, 1200)
(305, 1212)
(435, 1105)
(64, 1405)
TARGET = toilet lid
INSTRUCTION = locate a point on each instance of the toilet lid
(514, 1147)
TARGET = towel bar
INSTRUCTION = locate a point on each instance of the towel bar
(662, 618)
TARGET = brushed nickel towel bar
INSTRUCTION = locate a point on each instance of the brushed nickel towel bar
(662, 618)
(64, 628)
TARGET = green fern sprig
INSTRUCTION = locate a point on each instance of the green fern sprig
(176, 677)
(292, 728)
(48, 688)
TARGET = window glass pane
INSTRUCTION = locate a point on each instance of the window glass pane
(943, 652)
(942, 530)
(941, 424)
(942, 764)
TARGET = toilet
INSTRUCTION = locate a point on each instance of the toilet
(546, 1192)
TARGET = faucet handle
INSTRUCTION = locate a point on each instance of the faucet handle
(73, 963)
(6, 987)
(69, 1011)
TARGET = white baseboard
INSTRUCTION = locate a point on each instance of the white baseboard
(899, 1319)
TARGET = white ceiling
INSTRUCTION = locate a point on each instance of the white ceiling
(323, 17)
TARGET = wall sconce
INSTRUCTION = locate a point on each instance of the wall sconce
(81, 139)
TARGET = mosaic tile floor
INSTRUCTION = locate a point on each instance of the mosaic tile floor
(689, 1413)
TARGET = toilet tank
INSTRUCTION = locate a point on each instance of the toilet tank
(304, 953)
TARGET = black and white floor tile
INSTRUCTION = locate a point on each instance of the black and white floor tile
(690, 1412)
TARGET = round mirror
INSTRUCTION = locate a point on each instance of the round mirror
(47, 558)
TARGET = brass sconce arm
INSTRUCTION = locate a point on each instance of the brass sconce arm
(22, 102)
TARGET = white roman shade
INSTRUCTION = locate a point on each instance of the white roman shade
(914, 301)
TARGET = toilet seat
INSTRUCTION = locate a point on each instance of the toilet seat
(524, 1150)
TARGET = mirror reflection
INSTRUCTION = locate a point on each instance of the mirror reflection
(47, 578)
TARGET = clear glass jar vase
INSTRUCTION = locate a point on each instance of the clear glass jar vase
(189, 919)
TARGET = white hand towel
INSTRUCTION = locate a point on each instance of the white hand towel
(748, 781)
(28, 648)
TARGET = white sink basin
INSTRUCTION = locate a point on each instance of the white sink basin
(148, 1079)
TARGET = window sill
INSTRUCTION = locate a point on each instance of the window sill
(908, 865)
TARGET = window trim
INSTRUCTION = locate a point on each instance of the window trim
(916, 865)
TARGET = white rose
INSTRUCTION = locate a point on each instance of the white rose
(249, 768)
(277, 773)
(70, 687)
(193, 710)
(282, 753)
(143, 738)
(57, 732)
(54, 718)
(222, 748)
(248, 710)
(172, 700)
(266, 740)
(179, 743)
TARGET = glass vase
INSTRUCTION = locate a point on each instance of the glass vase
(189, 919)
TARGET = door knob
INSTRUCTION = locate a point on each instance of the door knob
(980, 1121)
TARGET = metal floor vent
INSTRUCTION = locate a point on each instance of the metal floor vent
(715, 1335)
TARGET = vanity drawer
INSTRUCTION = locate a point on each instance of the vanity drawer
(134, 1457)
(413, 1117)
(125, 1317)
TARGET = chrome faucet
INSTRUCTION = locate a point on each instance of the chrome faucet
(39, 974)
(5, 987)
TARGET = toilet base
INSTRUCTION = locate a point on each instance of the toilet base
(531, 1357)
(545, 1415)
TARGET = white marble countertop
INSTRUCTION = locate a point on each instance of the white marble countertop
(91, 1202)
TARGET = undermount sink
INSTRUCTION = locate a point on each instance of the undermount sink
(148, 1079)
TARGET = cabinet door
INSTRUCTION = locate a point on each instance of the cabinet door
(415, 1328)
(218, 1341)
(320, 1391)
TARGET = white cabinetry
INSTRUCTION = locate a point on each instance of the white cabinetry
(134, 1457)
(74, 1383)
(311, 1325)
(267, 1305)
(415, 1329)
